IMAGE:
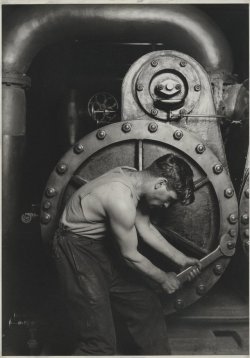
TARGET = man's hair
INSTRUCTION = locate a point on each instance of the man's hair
(179, 176)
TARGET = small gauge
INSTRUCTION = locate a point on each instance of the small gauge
(103, 108)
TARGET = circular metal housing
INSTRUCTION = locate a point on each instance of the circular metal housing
(139, 148)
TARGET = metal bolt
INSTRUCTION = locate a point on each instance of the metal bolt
(178, 87)
(154, 63)
(231, 245)
(61, 168)
(101, 134)
(45, 218)
(179, 303)
(50, 192)
(197, 88)
(218, 269)
(183, 63)
(218, 168)
(154, 112)
(169, 86)
(200, 148)
(245, 218)
(78, 148)
(201, 289)
(247, 193)
(232, 232)
(160, 87)
(152, 127)
(182, 112)
(178, 134)
(246, 233)
(229, 192)
(126, 127)
(233, 218)
(139, 86)
(47, 205)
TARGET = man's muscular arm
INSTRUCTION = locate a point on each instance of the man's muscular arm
(121, 212)
(153, 237)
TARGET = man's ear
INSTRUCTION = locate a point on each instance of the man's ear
(160, 182)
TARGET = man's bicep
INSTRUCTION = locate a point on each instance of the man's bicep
(122, 219)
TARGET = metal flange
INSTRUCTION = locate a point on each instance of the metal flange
(164, 136)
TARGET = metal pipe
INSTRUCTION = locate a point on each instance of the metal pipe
(183, 28)
(29, 28)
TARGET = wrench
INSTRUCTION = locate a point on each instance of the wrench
(225, 248)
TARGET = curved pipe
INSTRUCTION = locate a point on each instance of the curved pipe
(181, 28)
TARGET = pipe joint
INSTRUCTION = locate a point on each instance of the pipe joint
(16, 79)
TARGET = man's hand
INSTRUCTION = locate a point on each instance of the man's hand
(171, 284)
(190, 261)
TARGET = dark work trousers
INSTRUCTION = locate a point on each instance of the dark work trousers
(92, 283)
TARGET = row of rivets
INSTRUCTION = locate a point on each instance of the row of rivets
(218, 168)
(78, 148)
(229, 192)
(178, 134)
(218, 269)
(101, 134)
(126, 127)
(61, 168)
(200, 148)
(152, 127)
(50, 192)
(233, 218)
(244, 219)
(45, 218)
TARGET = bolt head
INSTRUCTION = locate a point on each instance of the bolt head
(178, 134)
(61, 168)
(152, 127)
(231, 245)
(45, 218)
(233, 218)
(178, 87)
(218, 269)
(154, 112)
(245, 218)
(228, 192)
(201, 289)
(47, 205)
(183, 63)
(139, 86)
(200, 148)
(179, 303)
(182, 112)
(50, 192)
(197, 88)
(154, 63)
(126, 127)
(232, 232)
(218, 168)
(101, 134)
(78, 148)
(247, 193)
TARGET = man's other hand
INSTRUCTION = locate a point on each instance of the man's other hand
(171, 284)
(190, 261)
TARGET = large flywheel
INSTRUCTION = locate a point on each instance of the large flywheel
(206, 228)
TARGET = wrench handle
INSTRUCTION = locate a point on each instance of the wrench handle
(205, 261)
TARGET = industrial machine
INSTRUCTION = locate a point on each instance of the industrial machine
(169, 88)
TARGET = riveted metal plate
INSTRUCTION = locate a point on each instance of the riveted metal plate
(244, 214)
(168, 66)
(119, 148)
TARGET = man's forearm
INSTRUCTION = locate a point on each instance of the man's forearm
(141, 264)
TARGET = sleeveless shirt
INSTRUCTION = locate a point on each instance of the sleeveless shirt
(75, 215)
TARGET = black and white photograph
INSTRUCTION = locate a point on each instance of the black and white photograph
(125, 178)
